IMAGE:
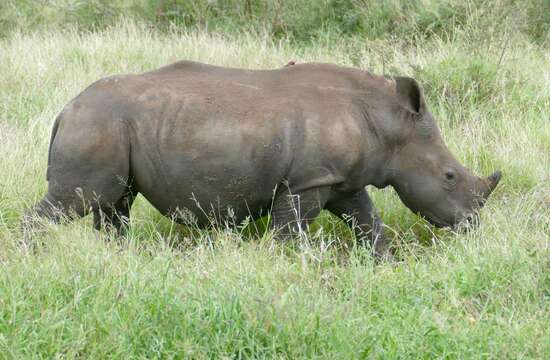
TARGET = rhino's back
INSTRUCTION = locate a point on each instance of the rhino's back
(302, 77)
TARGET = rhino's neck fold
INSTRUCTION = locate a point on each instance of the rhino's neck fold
(377, 168)
(380, 148)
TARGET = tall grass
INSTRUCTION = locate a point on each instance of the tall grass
(167, 292)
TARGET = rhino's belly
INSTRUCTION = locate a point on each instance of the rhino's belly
(208, 184)
(209, 197)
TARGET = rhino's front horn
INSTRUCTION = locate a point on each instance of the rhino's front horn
(492, 181)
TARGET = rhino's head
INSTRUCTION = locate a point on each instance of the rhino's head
(427, 177)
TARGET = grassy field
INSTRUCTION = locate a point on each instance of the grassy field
(165, 291)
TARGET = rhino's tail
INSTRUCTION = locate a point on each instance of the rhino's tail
(52, 138)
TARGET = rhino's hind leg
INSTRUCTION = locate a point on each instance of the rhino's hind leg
(88, 164)
(109, 214)
(114, 216)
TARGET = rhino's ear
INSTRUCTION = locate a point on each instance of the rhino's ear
(409, 94)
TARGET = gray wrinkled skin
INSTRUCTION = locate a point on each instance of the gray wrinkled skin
(289, 141)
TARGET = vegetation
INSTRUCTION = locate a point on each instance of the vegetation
(166, 291)
(301, 20)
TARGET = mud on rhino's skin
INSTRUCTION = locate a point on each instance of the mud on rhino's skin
(293, 140)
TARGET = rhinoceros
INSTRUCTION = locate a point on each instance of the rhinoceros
(221, 143)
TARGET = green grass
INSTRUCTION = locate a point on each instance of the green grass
(167, 292)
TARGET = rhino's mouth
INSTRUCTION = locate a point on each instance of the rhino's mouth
(438, 222)
(464, 222)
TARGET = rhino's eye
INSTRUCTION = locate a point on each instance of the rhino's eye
(449, 175)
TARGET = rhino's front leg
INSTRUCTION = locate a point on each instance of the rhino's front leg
(292, 212)
(358, 211)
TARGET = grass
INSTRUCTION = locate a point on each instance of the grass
(167, 292)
